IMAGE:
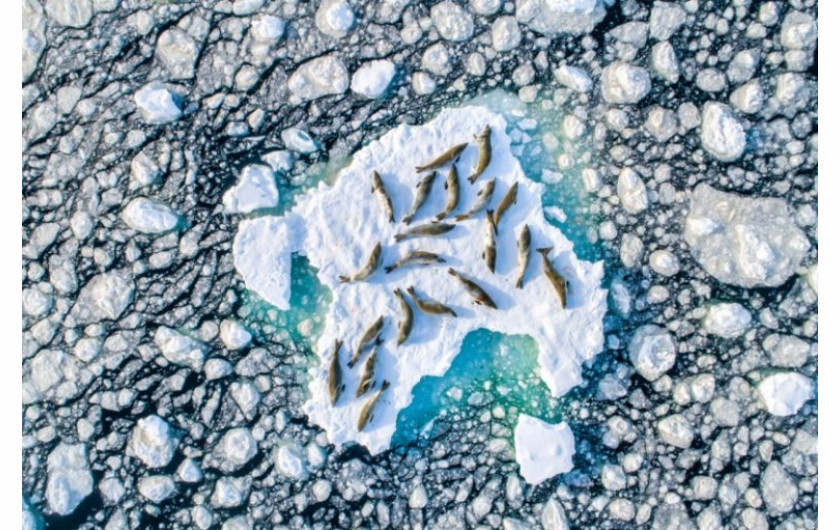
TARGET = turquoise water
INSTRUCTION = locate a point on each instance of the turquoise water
(491, 368)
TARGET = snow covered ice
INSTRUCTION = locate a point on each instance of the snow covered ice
(566, 338)
(543, 450)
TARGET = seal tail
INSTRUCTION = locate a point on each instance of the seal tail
(343, 279)
(519, 282)
(545, 250)
(452, 272)
(389, 268)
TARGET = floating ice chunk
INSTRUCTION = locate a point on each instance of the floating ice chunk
(419, 497)
(652, 352)
(624, 83)
(247, 7)
(255, 189)
(321, 490)
(721, 133)
(662, 123)
(278, 160)
(267, 29)
(335, 18)
(150, 217)
(664, 262)
(743, 65)
(792, 91)
(786, 350)
(553, 17)
(436, 59)
(631, 250)
(632, 191)
(486, 7)
(554, 516)
(152, 442)
(319, 77)
(632, 33)
(505, 34)
(665, 19)
(373, 78)
(336, 226)
(144, 170)
(778, 489)
(783, 394)
(422, 83)
(105, 297)
(217, 369)
(748, 98)
(710, 80)
(70, 13)
(177, 50)
(664, 61)
(156, 104)
(727, 320)
(236, 449)
(799, 31)
(34, 37)
(289, 460)
(743, 241)
(676, 430)
(299, 140)
(180, 349)
(69, 480)
(189, 471)
(229, 492)
(573, 77)
(234, 335)
(156, 488)
(543, 450)
(452, 21)
(613, 477)
(246, 396)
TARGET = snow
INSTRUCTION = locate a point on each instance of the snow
(156, 104)
(336, 228)
(543, 450)
(505, 34)
(727, 320)
(322, 76)
(255, 189)
(573, 77)
(70, 13)
(624, 83)
(69, 480)
(632, 192)
(553, 17)
(676, 430)
(784, 393)
(180, 349)
(652, 351)
(334, 18)
(152, 442)
(105, 297)
(149, 216)
(234, 335)
(453, 22)
(749, 242)
(178, 52)
(721, 133)
(373, 78)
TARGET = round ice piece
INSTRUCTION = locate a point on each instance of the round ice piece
(373, 78)
(783, 394)
(543, 450)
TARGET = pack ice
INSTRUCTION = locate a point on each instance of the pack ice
(336, 227)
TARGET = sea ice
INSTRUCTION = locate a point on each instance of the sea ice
(543, 450)
(624, 83)
(743, 241)
(69, 479)
(553, 17)
(452, 21)
(721, 133)
(784, 393)
(373, 78)
(156, 104)
(335, 18)
(727, 320)
(322, 76)
(152, 442)
(255, 189)
(336, 227)
(652, 351)
(149, 216)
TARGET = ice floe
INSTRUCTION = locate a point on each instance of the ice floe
(543, 450)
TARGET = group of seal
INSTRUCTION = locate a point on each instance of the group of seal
(371, 339)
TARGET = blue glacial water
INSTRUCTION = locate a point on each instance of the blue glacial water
(500, 369)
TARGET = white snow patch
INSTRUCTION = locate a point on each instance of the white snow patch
(150, 217)
(336, 228)
(255, 189)
(543, 450)
(373, 78)
(783, 394)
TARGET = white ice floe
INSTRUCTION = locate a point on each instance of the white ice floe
(299, 140)
(156, 488)
(236, 449)
(748, 98)
(152, 442)
(373, 78)
(180, 349)
(335, 18)
(743, 241)
(783, 394)
(552, 17)
(721, 133)
(149, 216)
(452, 21)
(624, 83)
(69, 480)
(178, 51)
(247, 7)
(652, 351)
(34, 36)
(664, 60)
(632, 191)
(319, 77)
(573, 77)
(676, 430)
(290, 461)
(267, 29)
(337, 227)
(255, 189)
(665, 19)
(505, 34)
(156, 104)
(727, 320)
(234, 335)
(70, 13)
(105, 297)
(543, 450)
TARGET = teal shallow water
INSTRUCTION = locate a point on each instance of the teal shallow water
(491, 368)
